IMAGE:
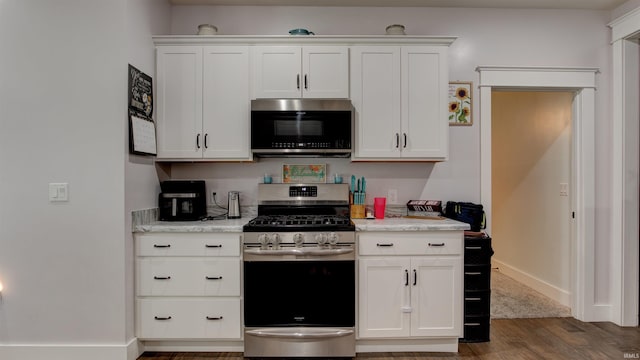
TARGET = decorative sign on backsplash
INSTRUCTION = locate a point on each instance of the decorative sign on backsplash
(460, 95)
(142, 129)
(316, 173)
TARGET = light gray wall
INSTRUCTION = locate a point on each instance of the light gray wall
(144, 18)
(67, 268)
(504, 37)
(62, 78)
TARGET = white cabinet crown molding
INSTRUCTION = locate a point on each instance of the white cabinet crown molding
(299, 39)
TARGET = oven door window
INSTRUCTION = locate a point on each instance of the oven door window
(299, 293)
(301, 129)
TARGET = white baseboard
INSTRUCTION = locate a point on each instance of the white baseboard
(69, 352)
(541, 286)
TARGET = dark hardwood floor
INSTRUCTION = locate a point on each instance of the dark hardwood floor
(548, 338)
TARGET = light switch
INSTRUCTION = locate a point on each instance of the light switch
(58, 192)
(564, 189)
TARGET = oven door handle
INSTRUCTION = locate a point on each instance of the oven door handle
(300, 333)
(299, 251)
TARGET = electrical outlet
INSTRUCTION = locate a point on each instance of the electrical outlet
(392, 196)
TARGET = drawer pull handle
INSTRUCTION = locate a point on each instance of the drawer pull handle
(213, 246)
(162, 318)
(213, 277)
(472, 324)
(161, 246)
(384, 245)
(436, 245)
(473, 247)
(473, 273)
(162, 277)
(214, 318)
(472, 299)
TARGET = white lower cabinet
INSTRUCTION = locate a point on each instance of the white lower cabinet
(410, 285)
(188, 286)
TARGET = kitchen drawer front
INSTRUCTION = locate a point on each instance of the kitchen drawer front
(188, 318)
(180, 244)
(410, 243)
(188, 277)
(477, 277)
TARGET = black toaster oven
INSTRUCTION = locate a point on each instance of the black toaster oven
(182, 200)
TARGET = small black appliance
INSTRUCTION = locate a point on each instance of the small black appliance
(182, 200)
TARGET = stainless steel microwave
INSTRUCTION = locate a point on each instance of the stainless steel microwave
(301, 127)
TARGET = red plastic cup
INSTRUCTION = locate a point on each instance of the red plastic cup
(379, 204)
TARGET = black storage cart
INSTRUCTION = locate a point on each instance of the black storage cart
(477, 288)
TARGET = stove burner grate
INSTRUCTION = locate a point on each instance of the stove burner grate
(298, 220)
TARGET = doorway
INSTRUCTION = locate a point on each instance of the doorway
(531, 172)
(580, 81)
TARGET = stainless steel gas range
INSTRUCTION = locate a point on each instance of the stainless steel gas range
(299, 273)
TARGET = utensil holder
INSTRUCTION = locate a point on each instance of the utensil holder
(358, 211)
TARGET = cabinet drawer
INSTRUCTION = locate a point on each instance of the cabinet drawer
(188, 277)
(410, 243)
(180, 244)
(477, 302)
(477, 250)
(477, 277)
(188, 318)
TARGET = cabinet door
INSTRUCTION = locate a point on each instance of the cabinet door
(179, 111)
(375, 94)
(277, 72)
(425, 128)
(325, 72)
(436, 296)
(384, 298)
(225, 106)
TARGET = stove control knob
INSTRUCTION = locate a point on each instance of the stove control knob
(298, 239)
(275, 240)
(321, 239)
(263, 239)
(333, 238)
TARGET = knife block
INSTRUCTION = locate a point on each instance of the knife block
(358, 211)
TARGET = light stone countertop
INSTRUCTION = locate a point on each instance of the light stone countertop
(235, 225)
(405, 224)
(224, 225)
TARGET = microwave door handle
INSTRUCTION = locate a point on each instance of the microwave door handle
(174, 207)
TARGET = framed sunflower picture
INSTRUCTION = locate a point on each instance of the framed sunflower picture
(460, 96)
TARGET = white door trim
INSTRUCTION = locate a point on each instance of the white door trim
(582, 82)
(625, 290)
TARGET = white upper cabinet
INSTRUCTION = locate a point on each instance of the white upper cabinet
(400, 97)
(179, 111)
(226, 106)
(203, 97)
(295, 71)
